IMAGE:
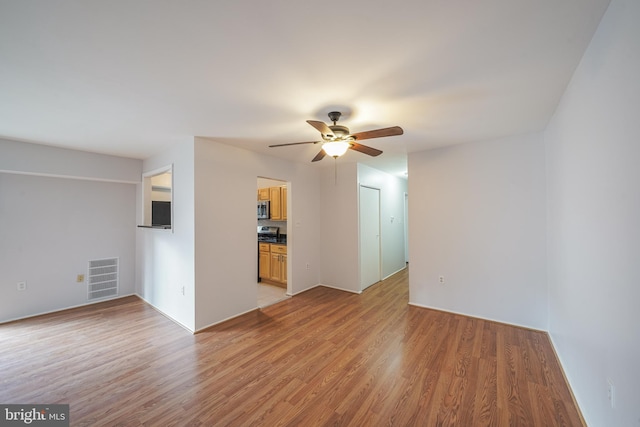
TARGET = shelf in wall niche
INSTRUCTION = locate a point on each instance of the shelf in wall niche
(157, 227)
(161, 188)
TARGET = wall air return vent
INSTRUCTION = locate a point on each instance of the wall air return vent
(103, 279)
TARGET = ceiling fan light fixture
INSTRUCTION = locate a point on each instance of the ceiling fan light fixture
(337, 139)
(335, 148)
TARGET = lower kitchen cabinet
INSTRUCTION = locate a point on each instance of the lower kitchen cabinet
(278, 263)
(264, 261)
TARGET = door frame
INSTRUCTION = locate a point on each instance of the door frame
(379, 236)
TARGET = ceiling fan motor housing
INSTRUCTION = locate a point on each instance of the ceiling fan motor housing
(339, 132)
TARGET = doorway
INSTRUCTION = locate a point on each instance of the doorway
(369, 236)
(273, 242)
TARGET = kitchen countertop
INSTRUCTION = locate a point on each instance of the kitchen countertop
(279, 241)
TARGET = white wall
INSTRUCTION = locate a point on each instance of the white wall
(51, 227)
(35, 159)
(226, 245)
(477, 217)
(166, 258)
(593, 151)
(392, 191)
(339, 211)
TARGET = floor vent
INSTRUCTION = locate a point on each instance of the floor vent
(103, 278)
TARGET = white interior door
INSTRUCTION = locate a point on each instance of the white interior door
(406, 227)
(369, 236)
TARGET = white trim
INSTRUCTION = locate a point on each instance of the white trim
(395, 272)
(57, 310)
(478, 317)
(380, 245)
(566, 377)
(166, 315)
(304, 290)
(224, 320)
(159, 171)
(56, 175)
(340, 289)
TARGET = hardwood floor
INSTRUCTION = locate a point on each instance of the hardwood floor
(324, 357)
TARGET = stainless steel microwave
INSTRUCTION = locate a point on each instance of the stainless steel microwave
(263, 209)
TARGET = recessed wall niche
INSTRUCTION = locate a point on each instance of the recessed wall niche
(157, 210)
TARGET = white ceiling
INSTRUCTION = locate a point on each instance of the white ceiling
(132, 78)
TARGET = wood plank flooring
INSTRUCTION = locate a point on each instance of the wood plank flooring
(324, 357)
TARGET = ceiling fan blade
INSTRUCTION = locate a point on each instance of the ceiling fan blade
(319, 156)
(294, 143)
(378, 133)
(321, 127)
(365, 149)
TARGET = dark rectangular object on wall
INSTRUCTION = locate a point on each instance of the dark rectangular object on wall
(160, 213)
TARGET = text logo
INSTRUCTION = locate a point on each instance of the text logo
(34, 415)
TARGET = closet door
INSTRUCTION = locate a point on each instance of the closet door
(369, 236)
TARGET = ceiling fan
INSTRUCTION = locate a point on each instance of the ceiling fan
(337, 139)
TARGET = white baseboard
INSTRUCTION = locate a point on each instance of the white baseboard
(340, 289)
(477, 317)
(166, 315)
(224, 320)
(395, 272)
(42, 313)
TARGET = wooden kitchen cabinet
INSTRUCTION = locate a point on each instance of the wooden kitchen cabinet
(279, 264)
(272, 263)
(277, 197)
(263, 194)
(264, 261)
(283, 203)
(284, 269)
(275, 203)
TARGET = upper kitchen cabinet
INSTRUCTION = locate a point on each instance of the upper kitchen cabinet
(275, 192)
(283, 205)
(276, 203)
(263, 194)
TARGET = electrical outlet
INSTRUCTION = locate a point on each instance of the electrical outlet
(441, 279)
(182, 290)
(308, 266)
(22, 286)
(80, 278)
(611, 393)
